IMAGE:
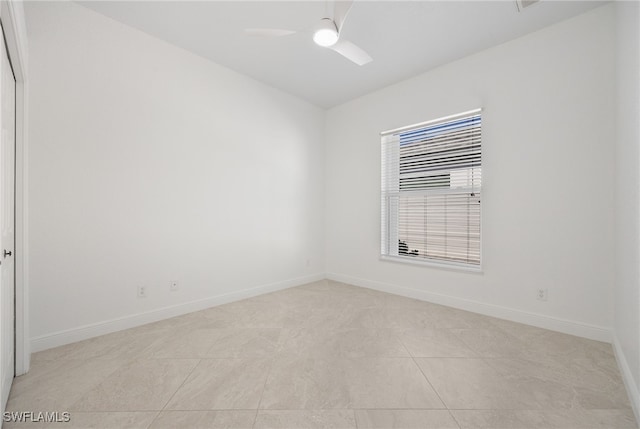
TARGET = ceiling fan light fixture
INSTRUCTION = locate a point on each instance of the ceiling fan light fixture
(326, 33)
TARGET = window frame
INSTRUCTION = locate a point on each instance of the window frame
(384, 229)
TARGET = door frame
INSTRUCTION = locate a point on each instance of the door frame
(15, 34)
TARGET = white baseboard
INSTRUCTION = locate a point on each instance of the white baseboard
(95, 329)
(546, 322)
(73, 335)
(627, 377)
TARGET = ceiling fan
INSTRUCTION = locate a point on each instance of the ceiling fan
(327, 33)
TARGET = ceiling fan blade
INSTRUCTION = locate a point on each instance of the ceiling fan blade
(268, 32)
(351, 52)
(340, 11)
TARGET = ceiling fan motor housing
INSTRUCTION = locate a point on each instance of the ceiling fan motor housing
(326, 33)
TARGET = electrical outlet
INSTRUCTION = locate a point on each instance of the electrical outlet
(142, 291)
(542, 294)
(173, 285)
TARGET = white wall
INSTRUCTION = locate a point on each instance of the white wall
(150, 164)
(547, 209)
(626, 323)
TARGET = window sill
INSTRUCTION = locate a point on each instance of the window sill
(452, 266)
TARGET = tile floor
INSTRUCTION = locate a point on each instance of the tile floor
(328, 355)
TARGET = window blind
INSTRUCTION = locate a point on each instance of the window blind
(431, 190)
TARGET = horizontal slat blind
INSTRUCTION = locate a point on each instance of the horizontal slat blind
(431, 189)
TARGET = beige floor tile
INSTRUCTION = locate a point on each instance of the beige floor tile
(429, 316)
(236, 419)
(306, 419)
(341, 317)
(222, 384)
(593, 419)
(547, 419)
(610, 396)
(55, 386)
(181, 323)
(347, 383)
(118, 345)
(473, 384)
(333, 293)
(435, 343)
(142, 385)
(245, 315)
(405, 419)
(410, 318)
(453, 318)
(396, 301)
(350, 343)
(345, 294)
(595, 383)
(514, 328)
(245, 342)
(321, 296)
(542, 343)
(112, 420)
(491, 342)
(328, 354)
(194, 345)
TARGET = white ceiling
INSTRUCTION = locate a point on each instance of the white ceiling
(404, 38)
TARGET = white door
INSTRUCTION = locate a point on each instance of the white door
(7, 217)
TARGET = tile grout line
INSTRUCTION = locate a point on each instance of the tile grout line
(355, 418)
(426, 378)
(454, 418)
(264, 386)
(122, 363)
(153, 420)
(423, 374)
(179, 387)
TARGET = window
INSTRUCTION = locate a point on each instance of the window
(431, 191)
